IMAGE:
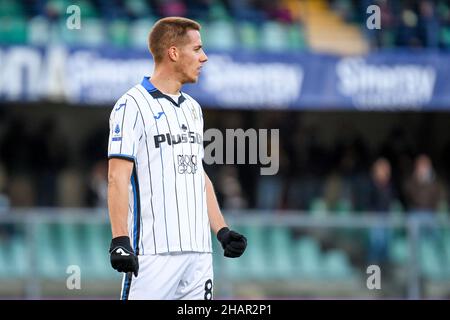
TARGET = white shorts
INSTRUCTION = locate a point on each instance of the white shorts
(171, 276)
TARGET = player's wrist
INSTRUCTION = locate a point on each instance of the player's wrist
(222, 232)
(121, 241)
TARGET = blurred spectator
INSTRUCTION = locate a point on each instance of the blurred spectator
(429, 24)
(308, 164)
(398, 149)
(198, 9)
(382, 197)
(276, 10)
(16, 153)
(384, 37)
(344, 9)
(4, 199)
(230, 189)
(408, 30)
(351, 159)
(423, 192)
(49, 149)
(97, 191)
(246, 10)
(93, 148)
(422, 189)
(382, 193)
(6, 230)
(336, 191)
(169, 8)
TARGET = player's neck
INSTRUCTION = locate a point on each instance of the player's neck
(165, 83)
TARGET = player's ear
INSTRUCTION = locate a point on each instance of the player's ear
(173, 53)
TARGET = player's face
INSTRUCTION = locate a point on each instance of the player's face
(192, 58)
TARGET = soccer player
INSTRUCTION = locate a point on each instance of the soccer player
(162, 205)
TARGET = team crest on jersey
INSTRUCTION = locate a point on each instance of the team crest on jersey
(117, 129)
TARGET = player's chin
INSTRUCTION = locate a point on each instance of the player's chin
(192, 79)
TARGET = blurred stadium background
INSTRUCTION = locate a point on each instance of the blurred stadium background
(364, 142)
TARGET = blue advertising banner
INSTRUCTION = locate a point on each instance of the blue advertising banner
(398, 80)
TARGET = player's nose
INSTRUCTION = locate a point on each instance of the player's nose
(203, 57)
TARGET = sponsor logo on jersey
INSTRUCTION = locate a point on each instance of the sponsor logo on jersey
(121, 105)
(172, 139)
(159, 115)
(187, 163)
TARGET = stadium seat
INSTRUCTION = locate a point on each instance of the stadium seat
(138, 8)
(18, 257)
(336, 265)
(95, 241)
(47, 244)
(118, 33)
(280, 252)
(11, 8)
(318, 208)
(430, 261)
(87, 9)
(296, 37)
(13, 30)
(4, 270)
(344, 208)
(139, 30)
(93, 32)
(220, 35)
(248, 35)
(396, 209)
(253, 262)
(446, 245)
(274, 36)
(307, 257)
(218, 11)
(398, 250)
(38, 31)
(269, 192)
(69, 236)
(445, 37)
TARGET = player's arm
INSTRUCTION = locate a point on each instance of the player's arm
(119, 174)
(122, 254)
(233, 243)
(216, 219)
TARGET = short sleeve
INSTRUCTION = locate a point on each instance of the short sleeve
(125, 129)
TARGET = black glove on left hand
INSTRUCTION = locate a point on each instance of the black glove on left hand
(233, 243)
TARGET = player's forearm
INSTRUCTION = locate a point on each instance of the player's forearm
(118, 205)
(216, 218)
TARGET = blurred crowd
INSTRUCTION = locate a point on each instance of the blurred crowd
(42, 166)
(245, 24)
(39, 167)
(124, 23)
(402, 173)
(404, 23)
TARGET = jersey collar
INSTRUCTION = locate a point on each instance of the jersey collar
(155, 93)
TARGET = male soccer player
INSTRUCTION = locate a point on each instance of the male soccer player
(162, 205)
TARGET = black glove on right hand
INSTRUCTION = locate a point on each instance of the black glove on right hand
(122, 255)
(233, 243)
